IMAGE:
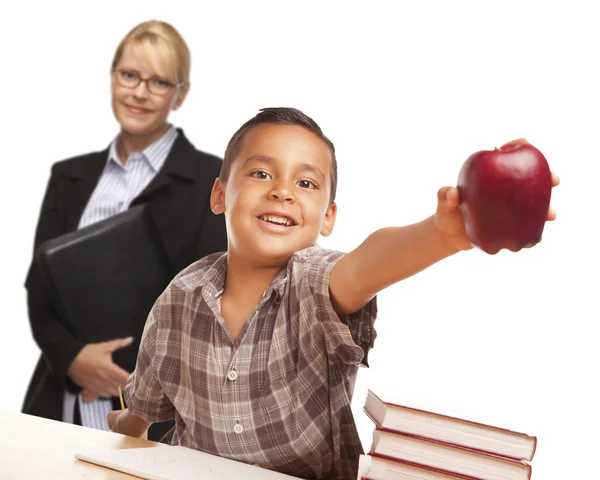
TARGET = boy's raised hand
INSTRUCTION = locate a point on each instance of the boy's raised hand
(392, 254)
(449, 220)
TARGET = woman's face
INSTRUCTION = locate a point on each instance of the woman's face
(143, 109)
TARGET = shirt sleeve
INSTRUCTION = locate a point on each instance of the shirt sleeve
(349, 338)
(144, 393)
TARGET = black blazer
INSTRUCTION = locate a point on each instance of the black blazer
(178, 197)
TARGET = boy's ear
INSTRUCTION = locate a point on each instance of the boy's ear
(217, 197)
(329, 221)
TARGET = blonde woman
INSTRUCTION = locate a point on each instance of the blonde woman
(149, 162)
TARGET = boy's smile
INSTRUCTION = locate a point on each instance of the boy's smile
(277, 197)
(277, 222)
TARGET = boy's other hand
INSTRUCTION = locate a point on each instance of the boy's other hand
(112, 418)
(126, 423)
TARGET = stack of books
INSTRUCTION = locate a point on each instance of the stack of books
(412, 444)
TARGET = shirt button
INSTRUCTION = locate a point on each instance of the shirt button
(232, 375)
(238, 428)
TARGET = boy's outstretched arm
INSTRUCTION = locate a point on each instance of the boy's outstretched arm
(127, 423)
(392, 254)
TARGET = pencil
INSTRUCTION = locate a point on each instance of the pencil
(121, 398)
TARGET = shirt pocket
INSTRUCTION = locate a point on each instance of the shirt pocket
(278, 400)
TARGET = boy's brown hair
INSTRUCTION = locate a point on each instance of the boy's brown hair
(277, 116)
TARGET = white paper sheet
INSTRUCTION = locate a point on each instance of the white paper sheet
(176, 463)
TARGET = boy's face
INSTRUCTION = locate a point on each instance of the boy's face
(277, 197)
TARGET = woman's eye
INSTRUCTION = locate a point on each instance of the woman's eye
(261, 175)
(306, 184)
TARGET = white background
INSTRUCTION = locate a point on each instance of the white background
(407, 91)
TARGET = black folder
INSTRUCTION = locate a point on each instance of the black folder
(104, 279)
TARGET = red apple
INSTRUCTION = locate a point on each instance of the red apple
(505, 196)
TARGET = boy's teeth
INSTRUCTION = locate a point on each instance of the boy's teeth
(278, 220)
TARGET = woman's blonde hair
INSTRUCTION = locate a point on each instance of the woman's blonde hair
(162, 37)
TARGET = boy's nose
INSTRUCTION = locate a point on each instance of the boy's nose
(281, 192)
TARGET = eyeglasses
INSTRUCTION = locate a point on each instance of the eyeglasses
(155, 85)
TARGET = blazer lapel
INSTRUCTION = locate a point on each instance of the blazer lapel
(180, 163)
(84, 181)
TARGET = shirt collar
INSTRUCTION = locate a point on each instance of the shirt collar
(155, 154)
(213, 281)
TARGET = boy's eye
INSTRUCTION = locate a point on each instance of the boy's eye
(306, 184)
(262, 175)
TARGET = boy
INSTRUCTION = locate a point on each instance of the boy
(254, 353)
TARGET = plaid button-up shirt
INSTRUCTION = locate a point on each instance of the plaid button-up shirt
(279, 396)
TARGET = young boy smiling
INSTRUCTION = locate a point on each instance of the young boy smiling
(255, 352)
